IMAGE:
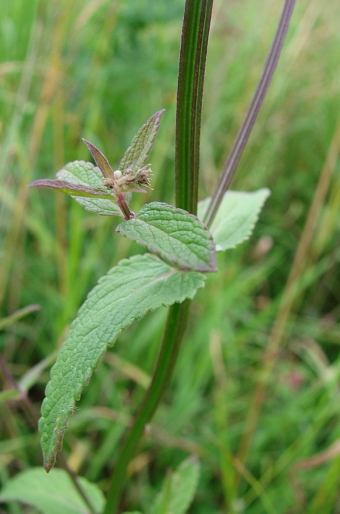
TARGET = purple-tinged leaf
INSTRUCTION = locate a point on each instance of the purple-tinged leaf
(73, 189)
(136, 155)
(101, 160)
(86, 174)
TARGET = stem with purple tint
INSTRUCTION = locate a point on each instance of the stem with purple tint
(253, 110)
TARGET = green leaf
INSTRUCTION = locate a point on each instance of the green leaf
(236, 217)
(136, 155)
(126, 293)
(53, 493)
(86, 174)
(174, 235)
(179, 489)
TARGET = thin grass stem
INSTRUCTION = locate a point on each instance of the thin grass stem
(242, 137)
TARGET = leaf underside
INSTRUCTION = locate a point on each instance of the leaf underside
(136, 155)
(125, 294)
(85, 173)
(73, 189)
(174, 235)
(235, 218)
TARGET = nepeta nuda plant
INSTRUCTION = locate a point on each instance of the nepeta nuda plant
(181, 248)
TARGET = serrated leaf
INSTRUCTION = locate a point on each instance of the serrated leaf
(85, 173)
(136, 155)
(125, 294)
(51, 494)
(174, 235)
(236, 217)
(179, 489)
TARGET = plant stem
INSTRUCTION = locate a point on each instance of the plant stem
(121, 201)
(242, 137)
(194, 45)
(195, 36)
(172, 338)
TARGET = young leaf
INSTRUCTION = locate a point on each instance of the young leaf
(51, 494)
(73, 189)
(236, 217)
(178, 490)
(174, 235)
(85, 173)
(126, 293)
(101, 160)
(136, 155)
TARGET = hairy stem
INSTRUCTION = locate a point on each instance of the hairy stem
(195, 36)
(121, 201)
(242, 137)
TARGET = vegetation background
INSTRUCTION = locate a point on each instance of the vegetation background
(256, 389)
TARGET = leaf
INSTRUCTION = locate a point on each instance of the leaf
(101, 160)
(136, 155)
(174, 235)
(178, 489)
(73, 189)
(126, 293)
(51, 494)
(236, 217)
(85, 173)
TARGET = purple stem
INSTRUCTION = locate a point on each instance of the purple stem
(242, 137)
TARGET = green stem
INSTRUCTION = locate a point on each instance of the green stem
(174, 331)
(195, 37)
(189, 102)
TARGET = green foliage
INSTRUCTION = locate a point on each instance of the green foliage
(51, 494)
(178, 489)
(88, 187)
(136, 155)
(126, 293)
(236, 217)
(174, 235)
(111, 66)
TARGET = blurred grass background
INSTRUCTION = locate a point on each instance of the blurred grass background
(256, 390)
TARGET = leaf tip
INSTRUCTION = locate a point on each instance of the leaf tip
(34, 184)
(48, 467)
